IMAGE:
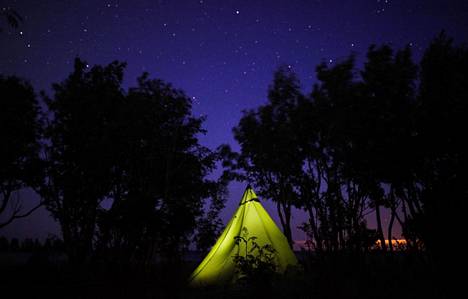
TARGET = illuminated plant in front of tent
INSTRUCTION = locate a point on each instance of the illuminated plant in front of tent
(254, 264)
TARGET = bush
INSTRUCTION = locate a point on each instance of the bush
(257, 267)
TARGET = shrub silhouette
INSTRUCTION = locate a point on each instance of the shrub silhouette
(256, 265)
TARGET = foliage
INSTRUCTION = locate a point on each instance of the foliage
(209, 225)
(382, 137)
(255, 264)
(20, 133)
(126, 176)
(159, 185)
(268, 157)
(437, 204)
(79, 151)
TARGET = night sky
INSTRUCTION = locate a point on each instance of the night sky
(221, 53)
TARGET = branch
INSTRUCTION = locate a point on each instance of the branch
(6, 199)
(16, 214)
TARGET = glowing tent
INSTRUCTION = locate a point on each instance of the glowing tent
(218, 267)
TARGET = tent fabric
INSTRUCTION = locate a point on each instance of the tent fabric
(218, 267)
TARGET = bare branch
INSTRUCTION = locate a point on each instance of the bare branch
(16, 213)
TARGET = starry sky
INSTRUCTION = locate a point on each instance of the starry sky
(221, 53)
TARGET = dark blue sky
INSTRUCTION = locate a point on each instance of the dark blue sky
(222, 53)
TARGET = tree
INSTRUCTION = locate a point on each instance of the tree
(20, 131)
(209, 224)
(438, 211)
(383, 154)
(269, 157)
(159, 179)
(79, 151)
(335, 200)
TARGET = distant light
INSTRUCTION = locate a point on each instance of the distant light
(331, 60)
(21, 32)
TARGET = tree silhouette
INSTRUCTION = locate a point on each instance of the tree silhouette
(20, 130)
(159, 186)
(382, 153)
(79, 151)
(268, 154)
(438, 207)
(335, 200)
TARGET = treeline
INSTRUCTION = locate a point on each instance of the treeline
(28, 245)
(122, 171)
(390, 135)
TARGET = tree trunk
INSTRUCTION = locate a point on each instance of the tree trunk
(379, 228)
(285, 219)
(390, 227)
(313, 225)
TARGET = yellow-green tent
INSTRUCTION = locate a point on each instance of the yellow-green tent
(218, 267)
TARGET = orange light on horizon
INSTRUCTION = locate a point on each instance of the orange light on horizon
(394, 242)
